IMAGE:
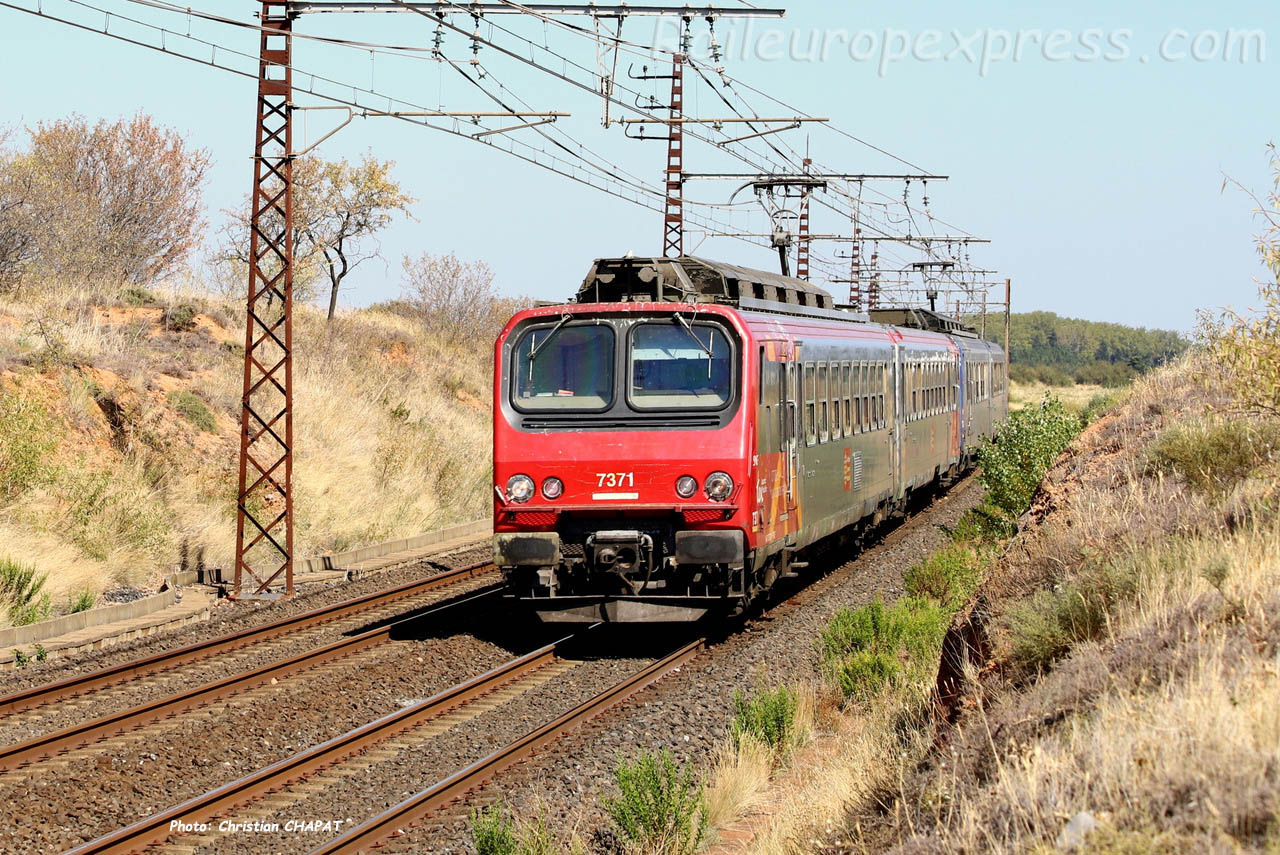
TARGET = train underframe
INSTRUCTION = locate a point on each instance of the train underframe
(627, 570)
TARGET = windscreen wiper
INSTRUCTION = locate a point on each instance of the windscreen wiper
(555, 331)
(689, 329)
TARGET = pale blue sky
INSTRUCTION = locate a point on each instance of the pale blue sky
(1100, 182)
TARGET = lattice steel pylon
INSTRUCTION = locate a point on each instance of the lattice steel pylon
(264, 516)
(802, 232)
(673, 216)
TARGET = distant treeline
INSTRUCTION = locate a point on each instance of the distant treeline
(1060, 351)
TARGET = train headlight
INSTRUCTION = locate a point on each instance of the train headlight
(719, 485)
(686, 486)
(520, 488)
(553, 488)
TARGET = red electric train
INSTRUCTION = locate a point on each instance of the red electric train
(676, 439)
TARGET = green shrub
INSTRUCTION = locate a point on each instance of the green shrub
(1244, 349)
(1215, 457)
(1022, 450)
(193, 409)
(948, 576)
(82, 600)
(136, 295)
(983, 524)
(493, 832)
(535, 838)
(866, 649)
(27, 439)
(1046, 626)
(658, 809)
(20, 659)
(41, 653)
(181, 317)
(21, 592)
(32, 612)
(769, 715)
(1098, 405)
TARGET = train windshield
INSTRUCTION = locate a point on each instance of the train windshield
(680, 365)
(565, 367)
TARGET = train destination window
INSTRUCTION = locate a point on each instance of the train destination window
(680, 366)
(564, 367)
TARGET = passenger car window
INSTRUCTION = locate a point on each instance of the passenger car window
(810, 413)
(823, 396)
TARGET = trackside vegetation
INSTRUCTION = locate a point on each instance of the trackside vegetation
(495, 832)
(659, 809)
(878, 661)
(877, 647)
(1122, 694)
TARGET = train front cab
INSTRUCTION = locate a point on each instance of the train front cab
(620, 461)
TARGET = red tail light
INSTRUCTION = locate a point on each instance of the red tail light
(704, 516)
(535, 519)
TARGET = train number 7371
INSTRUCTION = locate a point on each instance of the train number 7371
(616, 479)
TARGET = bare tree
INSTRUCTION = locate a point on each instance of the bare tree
(456, 298)
(121, 199)
(17, 244)
(338, 207)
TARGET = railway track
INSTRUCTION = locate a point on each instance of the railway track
(275, 788)
(87, 689)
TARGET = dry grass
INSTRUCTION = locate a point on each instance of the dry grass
(1155, 709)
(739, 779)
(856, 758)
(392, 432)
(1190, 747)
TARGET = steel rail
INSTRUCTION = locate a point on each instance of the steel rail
(156, 828)
(74, 686)
(50, 744)
(457, 785)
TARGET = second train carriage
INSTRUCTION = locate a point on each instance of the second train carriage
(674, 440)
